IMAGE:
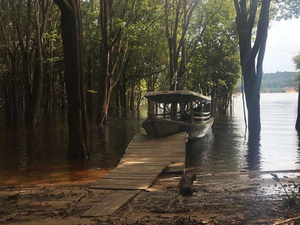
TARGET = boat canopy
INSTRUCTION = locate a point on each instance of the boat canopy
(176, 96)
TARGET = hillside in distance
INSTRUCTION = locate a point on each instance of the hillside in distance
(279, 82)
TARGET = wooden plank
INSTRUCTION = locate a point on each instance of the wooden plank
(152, 158)
(151, 152)
(142, 167)
(110, 204)
(122, 172)
(155, 156)
(145, 158)
(142, 164)
(124, 181)
(123, 187)
(138, 171)
(147, 169)
(130, 176)
(157, 145)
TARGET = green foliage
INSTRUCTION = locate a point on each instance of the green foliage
(215, 69)
(288, 9)
(296, 60)
(278, 82)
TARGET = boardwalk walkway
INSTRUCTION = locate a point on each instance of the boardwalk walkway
(145, 158)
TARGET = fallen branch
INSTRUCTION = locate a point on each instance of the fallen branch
(287, 220)
(80, 197)
(72, 207)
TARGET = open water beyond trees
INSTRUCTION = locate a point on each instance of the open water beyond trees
(39, 156)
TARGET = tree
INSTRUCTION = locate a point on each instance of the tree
(119, 25)
(215, 68)
(183, 11)
(71, 26)
(252, 56)
(181, 51)
(288, 9)
(111, 57)
(92, 39)
(9, 61)
(297, 64)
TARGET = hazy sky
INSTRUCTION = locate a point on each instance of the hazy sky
(282, 45)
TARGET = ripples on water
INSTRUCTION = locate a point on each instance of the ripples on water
(39, 157)
(226, 148)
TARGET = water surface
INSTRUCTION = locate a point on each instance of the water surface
(39, 156)
(227, 147)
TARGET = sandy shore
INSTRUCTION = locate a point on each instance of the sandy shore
(226, 198)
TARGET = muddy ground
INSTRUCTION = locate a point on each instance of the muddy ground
(226, 198)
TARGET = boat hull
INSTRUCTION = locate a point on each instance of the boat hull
(161, 127)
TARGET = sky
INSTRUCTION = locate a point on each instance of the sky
(283, 44)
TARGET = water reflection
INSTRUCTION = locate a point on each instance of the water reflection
(230, 148)
(39, 156)
(253, 157)
(221, 150)
(29, 156)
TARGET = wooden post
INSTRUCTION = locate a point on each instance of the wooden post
(185, 185)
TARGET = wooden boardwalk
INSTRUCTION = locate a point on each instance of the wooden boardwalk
(145, 158)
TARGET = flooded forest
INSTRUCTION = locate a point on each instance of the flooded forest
(94, 60)
(73, 76)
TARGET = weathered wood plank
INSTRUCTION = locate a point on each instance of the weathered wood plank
(149, 160)
(155, 156)
(124, 181)
(139, 171)
(109, 204)
(145, 158)
(130, 176)
(147, 163)
(121, 187)
(143, 166)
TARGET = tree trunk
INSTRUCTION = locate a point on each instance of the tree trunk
(36, 94)
(113, 51)
(132, 98)
(298, 114)
(48, 106)
(177, 50)
(72, 44)
(252, 56)
(11, 92)
(105, 56)
(90, 87)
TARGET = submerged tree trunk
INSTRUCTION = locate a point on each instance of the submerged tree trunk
(252, 56)
(297, 126)
(106, 50)
(72, 44)
(90, 88)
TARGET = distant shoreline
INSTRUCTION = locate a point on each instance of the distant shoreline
(287, 92)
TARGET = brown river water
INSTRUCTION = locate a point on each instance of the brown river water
(38, 157)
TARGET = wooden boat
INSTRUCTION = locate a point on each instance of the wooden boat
(171, 112)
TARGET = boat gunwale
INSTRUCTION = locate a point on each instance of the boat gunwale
(158, 95)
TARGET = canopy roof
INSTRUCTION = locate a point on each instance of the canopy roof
(176, 96)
